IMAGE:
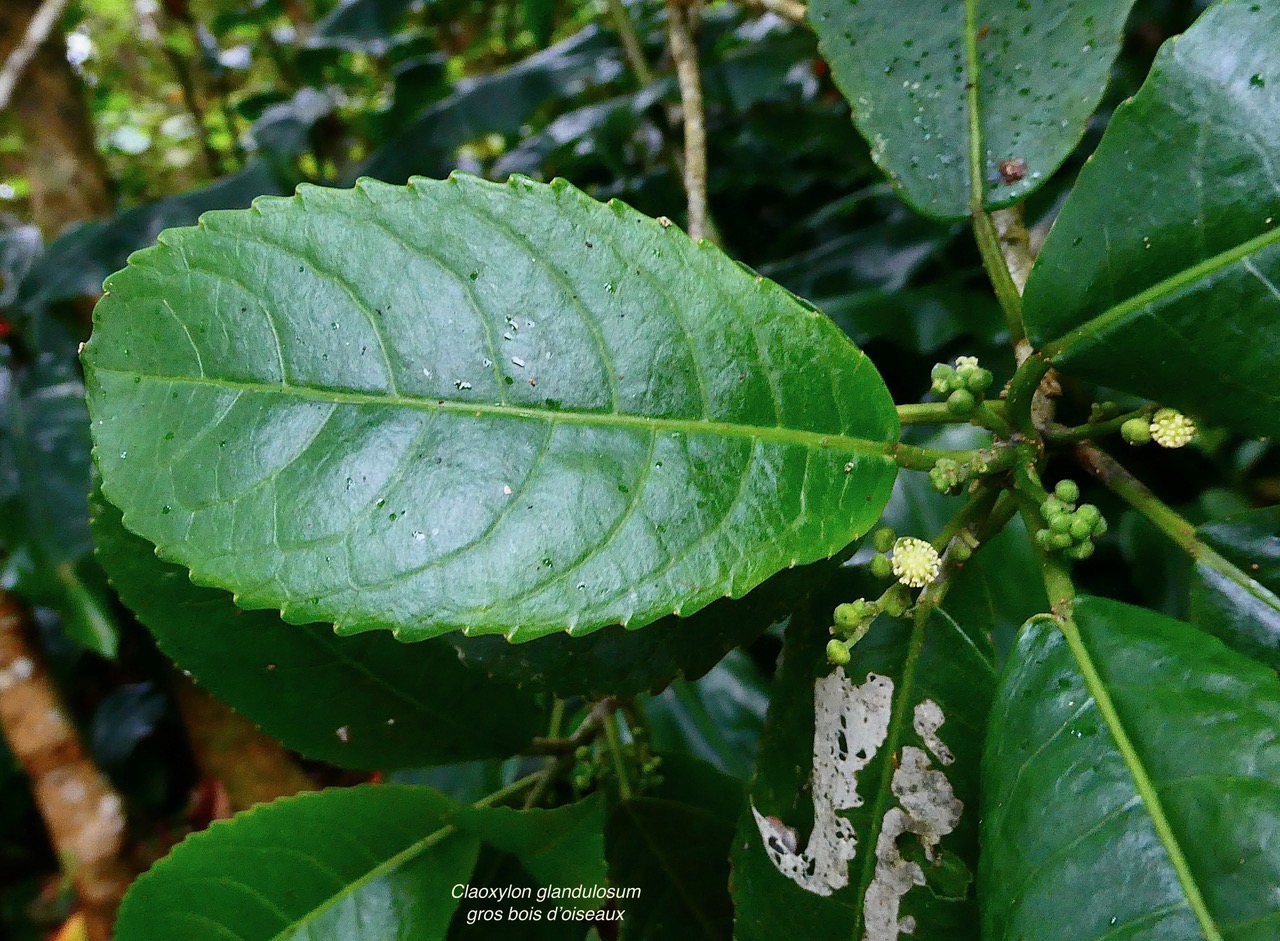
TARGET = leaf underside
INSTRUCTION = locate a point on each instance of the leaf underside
(1039, 71)
(464, 405)
(358, 702)
(1172, 290)
(1072, 851)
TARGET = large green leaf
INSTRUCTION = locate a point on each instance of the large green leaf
(359, 702)
(375, 861)
(948, 96)
(677, 856)
(1170, 289)
(614, 661)
(465, 405)
(1130, 785)
(716, 719)
(863, 812)
(1242, 608)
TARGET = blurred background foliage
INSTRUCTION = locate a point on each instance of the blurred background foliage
(192, 105)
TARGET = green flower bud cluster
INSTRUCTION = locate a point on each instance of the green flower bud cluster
(948, 476)
(963, 385)
(586, 768)
(1070, 530)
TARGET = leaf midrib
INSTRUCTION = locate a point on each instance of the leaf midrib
(1141, 777)
(1171, 285)
(777, 434)
(390, 864)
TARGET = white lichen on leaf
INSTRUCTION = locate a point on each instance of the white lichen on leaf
(850, 724)
(929, 810)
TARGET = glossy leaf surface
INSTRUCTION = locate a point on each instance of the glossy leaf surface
(1007, 85)
(1173, 292)
(463, 405)
(366, 862)
(1243, 611)
(1072, 824)
(359, 702)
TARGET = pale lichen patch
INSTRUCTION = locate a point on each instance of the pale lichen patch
(850, 724)
(929, 810)
(927, 720)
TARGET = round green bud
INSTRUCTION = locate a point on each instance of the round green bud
(895, 604)
(1068, 491)
(1052, 506)
(854, 613)
(1079, 552)
(881, 567)
(961, 402)
(941, 372)
(961, 552)
(837, 652)
(1059, 523)
(1043, 539)
(1099, 528)
(884, 539)
(1089, 513)
(1081, 530)
(1059, 540)
(978, 380)
(1136, 431)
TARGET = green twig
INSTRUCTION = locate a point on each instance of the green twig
(1181, 531)
(1062, 434)
(614, 740)
(922, 459)
(1022, 393)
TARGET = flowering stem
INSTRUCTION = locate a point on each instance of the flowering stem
(1062, 434)
(1120, 482)
(929, 413)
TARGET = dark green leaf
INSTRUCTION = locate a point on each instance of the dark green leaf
(359, 702)
(1025, 77)
(1130, 785)
(498, 103)
(375, 861)
(360, 25)
(894, 754)
(717, 718)
(614, 661)
(1176, 297)
(561, 848)
(678, 857)
(464, 405)
(44, 486)
(1243, 610)
(77, 262)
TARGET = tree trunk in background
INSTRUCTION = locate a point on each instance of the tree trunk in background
(251, 765)
(82, 811)
(67, 175)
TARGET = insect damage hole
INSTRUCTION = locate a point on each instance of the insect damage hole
(928, 809)
(850, 724)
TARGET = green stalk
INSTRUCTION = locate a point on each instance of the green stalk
(615, 749)
(1063, 434)
(1022, 391)
(1181, 531)
(922, 459)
